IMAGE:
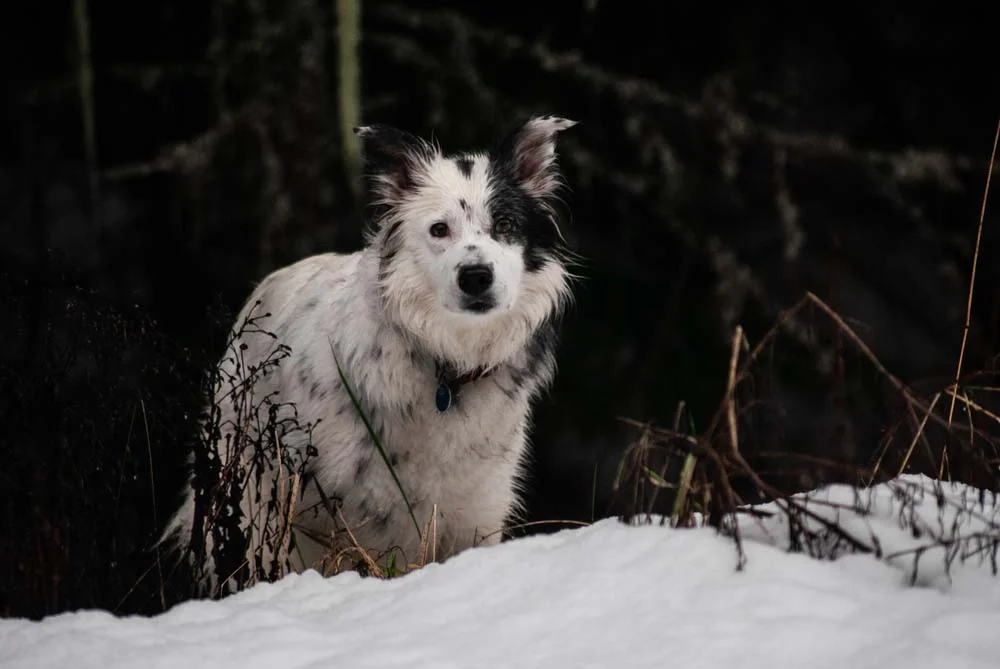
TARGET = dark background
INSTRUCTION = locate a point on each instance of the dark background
(727, 160)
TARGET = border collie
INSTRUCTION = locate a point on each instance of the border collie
(402, 375)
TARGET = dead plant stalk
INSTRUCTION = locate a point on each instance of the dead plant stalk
(972, 277)
(731, 388)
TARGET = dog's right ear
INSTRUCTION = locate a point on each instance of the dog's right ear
(392, 157)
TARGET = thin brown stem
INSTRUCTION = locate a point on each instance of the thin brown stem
(972, 277)
(734, 358)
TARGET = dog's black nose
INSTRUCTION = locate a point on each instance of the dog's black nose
(475, 279)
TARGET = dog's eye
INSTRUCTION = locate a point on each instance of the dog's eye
(439, 230)
(503, 225)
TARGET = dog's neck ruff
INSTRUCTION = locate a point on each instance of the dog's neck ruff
(449, 384)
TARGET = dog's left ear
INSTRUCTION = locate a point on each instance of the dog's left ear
(531, 153)
(391, 158)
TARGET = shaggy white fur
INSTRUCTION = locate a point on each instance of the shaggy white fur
(457, 291)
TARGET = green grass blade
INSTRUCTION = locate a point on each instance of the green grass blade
(378, 442)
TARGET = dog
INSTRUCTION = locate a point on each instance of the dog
(413, 363)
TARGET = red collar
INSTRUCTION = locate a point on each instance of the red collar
(469, 377)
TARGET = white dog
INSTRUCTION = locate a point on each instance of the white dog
(442, 328)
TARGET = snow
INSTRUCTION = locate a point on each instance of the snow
(607, 595)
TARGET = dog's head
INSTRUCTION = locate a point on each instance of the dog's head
(468, 243)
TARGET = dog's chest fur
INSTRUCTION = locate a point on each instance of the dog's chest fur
(464, 460)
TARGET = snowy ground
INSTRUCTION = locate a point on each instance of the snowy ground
(603, 596)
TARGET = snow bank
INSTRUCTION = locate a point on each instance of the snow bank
(608, 595)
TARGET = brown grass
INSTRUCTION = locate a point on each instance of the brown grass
(713, 464)
(972, 277)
